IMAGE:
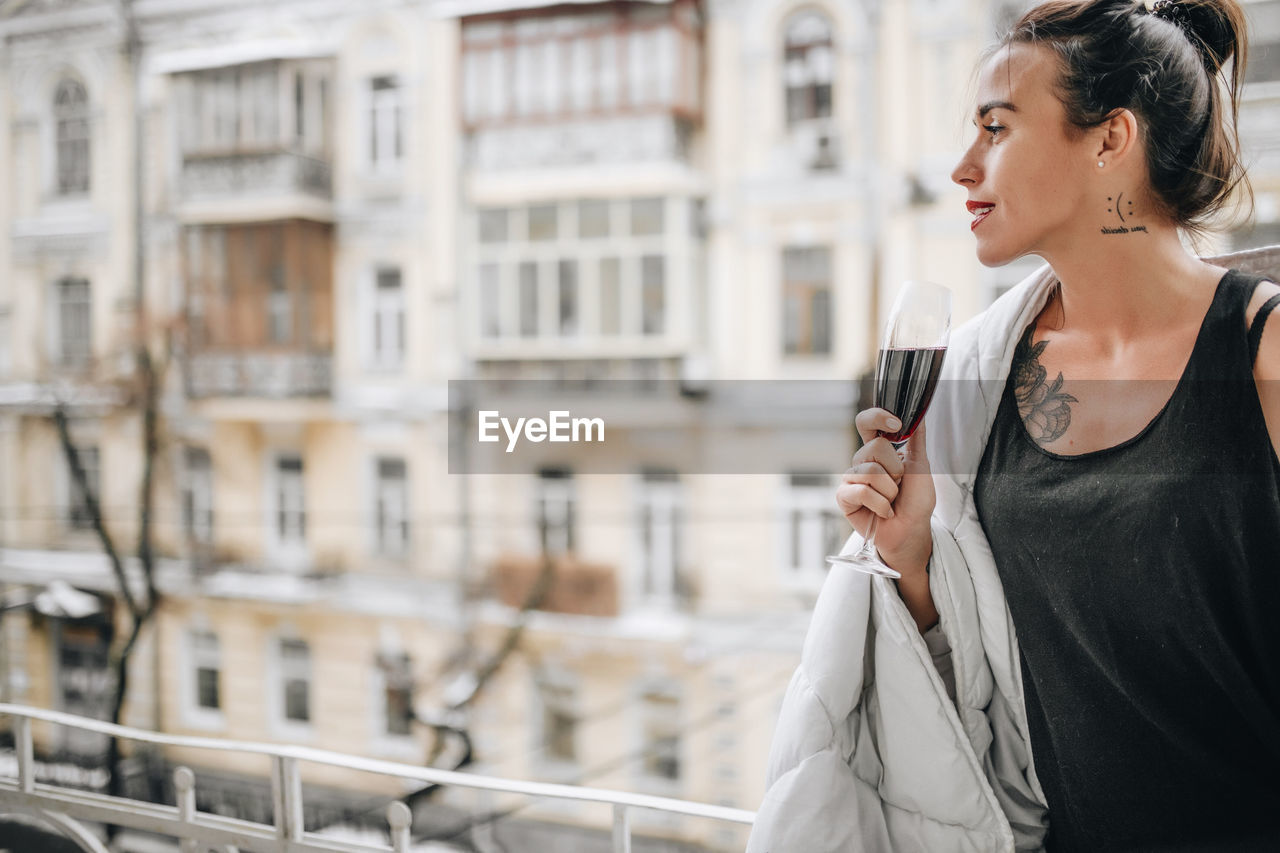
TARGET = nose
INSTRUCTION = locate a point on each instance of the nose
(966, 172)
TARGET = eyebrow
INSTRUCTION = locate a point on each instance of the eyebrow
(996, 105)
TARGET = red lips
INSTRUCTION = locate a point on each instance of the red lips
(980, 210)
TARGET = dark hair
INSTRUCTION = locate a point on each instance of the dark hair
(1169, 67)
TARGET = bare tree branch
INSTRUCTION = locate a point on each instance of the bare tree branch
(91, 504)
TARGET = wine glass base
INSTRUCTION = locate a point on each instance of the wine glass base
(862, 563)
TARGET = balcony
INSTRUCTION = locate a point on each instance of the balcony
(250, 174)
(599, 84)
(276, 376)
(65, 808)
(255, 141)
(575, 587)
(259, 310)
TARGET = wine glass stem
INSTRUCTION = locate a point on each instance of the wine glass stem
(868, 548)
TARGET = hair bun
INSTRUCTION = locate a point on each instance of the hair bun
(1209, 24)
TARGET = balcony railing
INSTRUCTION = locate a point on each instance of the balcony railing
(64, 808)
(212, 176)
(259, 374)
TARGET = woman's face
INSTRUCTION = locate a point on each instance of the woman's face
(1028, 172)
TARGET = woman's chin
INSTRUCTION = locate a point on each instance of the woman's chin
(999, 256)
(992, 258)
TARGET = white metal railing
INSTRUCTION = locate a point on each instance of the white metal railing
(200, 830)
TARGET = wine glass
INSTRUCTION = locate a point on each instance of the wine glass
(911, 353)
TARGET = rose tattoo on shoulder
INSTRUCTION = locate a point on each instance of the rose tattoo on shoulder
(1045, 410)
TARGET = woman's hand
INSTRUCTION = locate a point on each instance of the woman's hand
(899, 491)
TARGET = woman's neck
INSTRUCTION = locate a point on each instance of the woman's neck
(1126, 286)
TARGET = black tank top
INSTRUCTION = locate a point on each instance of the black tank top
(1144, 585)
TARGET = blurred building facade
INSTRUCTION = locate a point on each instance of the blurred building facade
(345, 206)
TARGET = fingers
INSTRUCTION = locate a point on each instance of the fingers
(852, 497)
(881, 452)
(871, 422)
(874, 475)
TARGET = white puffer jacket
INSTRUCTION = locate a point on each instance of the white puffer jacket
(871, 754)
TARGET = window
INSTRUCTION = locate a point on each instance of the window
(558, 736)
(239, 108)
(227, 120)
(258, 86)
(646, 216)
(78, 513)
(528, 299)
(299, 106)
(322, 103)
(610, 296)
(806, 301)
(396, 673)
(197, 495)
(660, 732)
(490, 301)
(584, 269)
(1264, 62)
(82, 681)
(808, 67)
(295, 680)
(387, 341)
(71, 121)
(291, 516)
(653, 304)
(204, 261)
(74, 346)
(279, 310)
(555, 510)
(659, 519)
(386, 146)
(493, 225)
(391, 507)
(206, 664)
(542, 222)
(568, 65)
(260, 286)
(1264, 43)
(197, 321)
(814, 526)
(593, 218)
(568, 301)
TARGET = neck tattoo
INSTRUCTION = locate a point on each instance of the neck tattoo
(1121, 217)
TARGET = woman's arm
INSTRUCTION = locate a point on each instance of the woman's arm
(1266, 369)
(914, 590)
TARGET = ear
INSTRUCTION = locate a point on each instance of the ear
(1117, 137)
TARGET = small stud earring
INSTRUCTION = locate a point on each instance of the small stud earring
(1101, 164)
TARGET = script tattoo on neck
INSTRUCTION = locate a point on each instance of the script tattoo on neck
(1120, 217)
(1045, 410)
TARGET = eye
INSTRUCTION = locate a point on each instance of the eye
(993, 129)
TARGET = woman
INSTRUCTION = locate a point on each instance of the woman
(1080, 654)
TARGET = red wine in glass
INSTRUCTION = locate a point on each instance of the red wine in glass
(912, 349)
(905, 379)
